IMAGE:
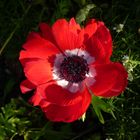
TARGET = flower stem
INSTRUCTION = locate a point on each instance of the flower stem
(13, 32)
(8, 39)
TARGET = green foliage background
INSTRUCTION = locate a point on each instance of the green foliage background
(116, 118)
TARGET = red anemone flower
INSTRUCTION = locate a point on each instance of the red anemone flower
(63, 62)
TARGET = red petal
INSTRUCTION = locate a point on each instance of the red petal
(90, 29)
(73, 26)
(65, 113)
(111, 80)
(53, 91)
(24, 60)
(26, 86)
(96, 50)
(37, 47)
(46, 32)
(38, 72)
(36, 99)
(100, 44)
(66, 36)
(104, 36)
(32, 35)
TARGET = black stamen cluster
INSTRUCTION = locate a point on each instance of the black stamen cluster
(74, 69)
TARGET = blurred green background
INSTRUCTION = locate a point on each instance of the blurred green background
(19, 120)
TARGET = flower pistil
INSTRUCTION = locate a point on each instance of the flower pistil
(74, 69)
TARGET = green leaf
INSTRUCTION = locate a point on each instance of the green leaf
(80, 2)
(12, 120)
(100, 105)
(61, 11)
(83, 13)
(99, 114)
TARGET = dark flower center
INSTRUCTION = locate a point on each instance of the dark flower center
(74, 69)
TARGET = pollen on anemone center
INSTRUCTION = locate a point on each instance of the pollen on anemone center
(74, 69)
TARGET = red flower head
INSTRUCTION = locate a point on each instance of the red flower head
(63, 62)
